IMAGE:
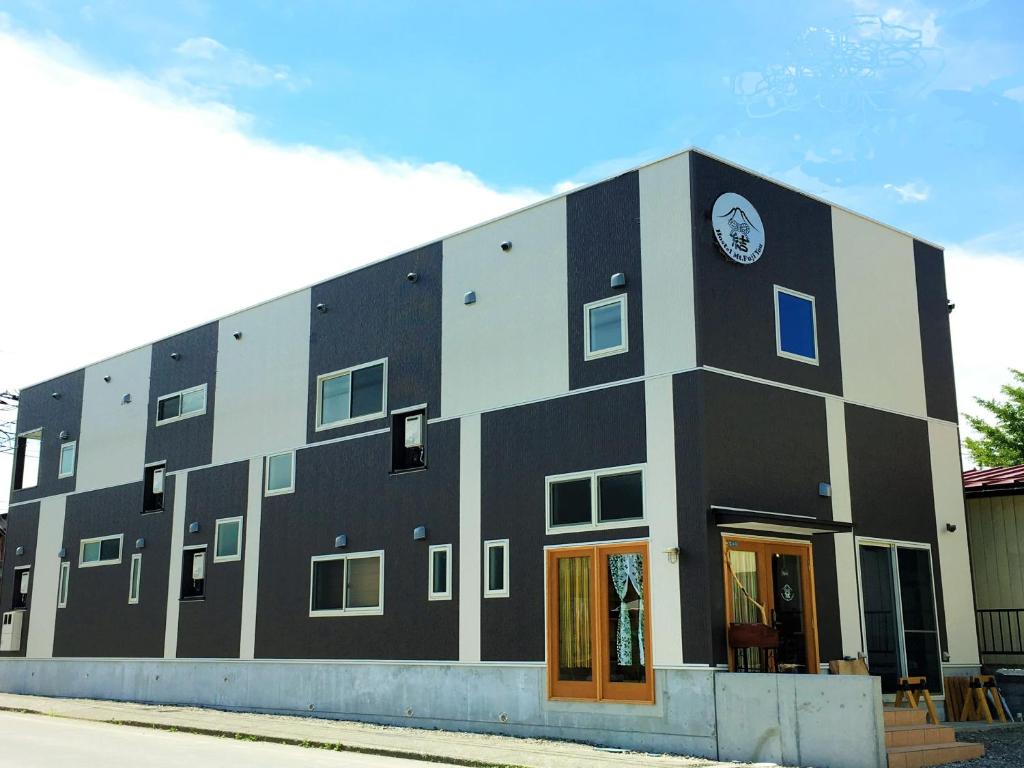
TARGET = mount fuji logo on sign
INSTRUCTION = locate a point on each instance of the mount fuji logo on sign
(738, 228)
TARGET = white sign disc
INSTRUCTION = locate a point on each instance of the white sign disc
(738, 228)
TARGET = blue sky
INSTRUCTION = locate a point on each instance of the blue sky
(911, 113)
(269, 145)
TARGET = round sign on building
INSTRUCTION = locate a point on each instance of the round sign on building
(738, 228)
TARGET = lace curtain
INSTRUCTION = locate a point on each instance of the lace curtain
(626, 570)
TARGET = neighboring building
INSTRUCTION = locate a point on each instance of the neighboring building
(995, 527)
(536, 467)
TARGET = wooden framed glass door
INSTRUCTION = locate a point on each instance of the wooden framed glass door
(599, 641)
(769, 581)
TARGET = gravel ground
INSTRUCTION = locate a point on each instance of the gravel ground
(1004, 747)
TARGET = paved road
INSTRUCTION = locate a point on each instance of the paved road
(37, 741)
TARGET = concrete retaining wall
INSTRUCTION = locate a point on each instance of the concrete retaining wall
(831, 722)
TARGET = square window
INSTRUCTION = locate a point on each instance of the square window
(570, 502)
(439, 574)
(227, 540)
(342, 585)
(352, 395)
(280, 474)
(496, 568)
(104, 550)
(605, 328)
(620, 497)
(67, 460)
(796, 332)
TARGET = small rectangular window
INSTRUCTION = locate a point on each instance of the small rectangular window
(181, 405)
(62, 585)
(227, 540)
(280, 474)
(26, 459)
(193, 573)
(22, 578)
(496, 568)
(67, 460)
(439, 572)
(103, 550)
(796, 333)
(135, 579)
(408, 440)
(351, 395)
(601, 498)
(605, 328)
(342, 585)
(153, 488)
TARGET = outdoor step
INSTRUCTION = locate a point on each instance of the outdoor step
(904, 716)
(911, 735)
(933, 754)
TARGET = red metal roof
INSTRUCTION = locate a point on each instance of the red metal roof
(997, 479)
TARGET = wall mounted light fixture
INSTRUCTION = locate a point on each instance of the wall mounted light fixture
(506, 245)
(321, 307)
(193, 527)
(55, 395)
(175, 356)
(19, 551)
(237, 335)
(412, 277)
(951, 527)
(107, 378)
(673, 554)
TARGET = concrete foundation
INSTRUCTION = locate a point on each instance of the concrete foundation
(831, 722)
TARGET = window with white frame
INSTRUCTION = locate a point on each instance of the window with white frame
(601, 498)
(135, 579)
(796, 326)
(227, 540)
(181, 405)
(352, 395)
(439, 572)
(102, 550)
(67, 460)
(62, 585)
(496, 568)
(280, 474)
(605, 330)
(347, 585)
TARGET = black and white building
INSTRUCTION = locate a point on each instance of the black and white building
(554, 456)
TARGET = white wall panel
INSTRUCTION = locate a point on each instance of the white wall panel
(879, 330)
(666, 243)
(842, 510)
(470, 553)
(954, 558)
(512, 345)
(174, 571)
(45, 576)
(262, 379)
(112, 444)
(251, 576)
(663, 519)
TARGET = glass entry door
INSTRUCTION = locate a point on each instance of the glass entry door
(770, 582)
(901, 634)
(599, 644)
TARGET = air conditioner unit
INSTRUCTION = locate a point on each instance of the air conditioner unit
(10, 632)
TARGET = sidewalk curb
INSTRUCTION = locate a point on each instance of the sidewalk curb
(333, 746)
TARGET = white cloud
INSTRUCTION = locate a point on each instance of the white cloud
(1017, 94)
(208, 68)
(911, 192)
(985, 286)
(129, 213)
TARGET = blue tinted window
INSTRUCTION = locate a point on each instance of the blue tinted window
(796, 325)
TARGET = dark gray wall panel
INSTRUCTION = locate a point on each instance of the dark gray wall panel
(374, 313)
(98, 621)
(603, 232)
(22, 530)
(346, 488)
(891, 483)
(735, 305)
(211, 628)
(519, 448)
(936, 347)
(38, 408)
(697, 540)
(189, 442)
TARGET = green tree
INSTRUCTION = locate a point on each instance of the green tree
(1001, 444)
